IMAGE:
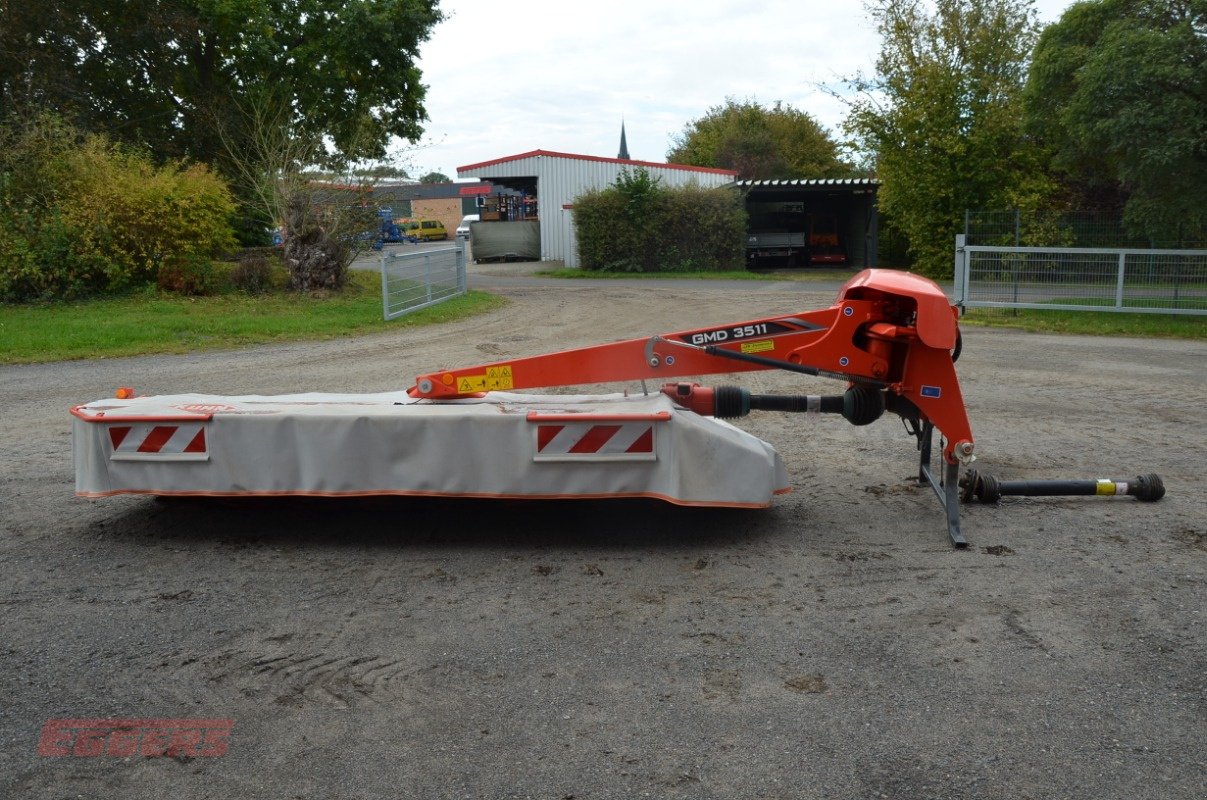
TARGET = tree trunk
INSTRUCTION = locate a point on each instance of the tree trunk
(314, 258)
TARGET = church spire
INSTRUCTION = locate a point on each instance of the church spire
(624, 146)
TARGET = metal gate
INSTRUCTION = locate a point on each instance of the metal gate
(411, 281)
(1081, 279)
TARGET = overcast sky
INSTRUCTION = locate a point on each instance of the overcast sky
(506, 78)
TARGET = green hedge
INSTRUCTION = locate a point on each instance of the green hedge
(80, 215)
(638, 225)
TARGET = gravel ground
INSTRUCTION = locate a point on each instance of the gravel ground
(832, 646)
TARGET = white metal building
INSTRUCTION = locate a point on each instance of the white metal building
(555, 179)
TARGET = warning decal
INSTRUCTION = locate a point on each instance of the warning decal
(757, 347)
(494, 379)
(588, 441)
(150, 442)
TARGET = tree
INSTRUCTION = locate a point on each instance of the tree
(168, 73)
(758, 142)
(1118, 93)
(435, 177)
(940, 119)
(175, 75)
(324, 220)
(382, 172)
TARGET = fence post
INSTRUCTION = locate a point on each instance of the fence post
(958, 273)
(1014, 269)
(427, 275)
(462, 281)
(385, 289)
(1119, 280)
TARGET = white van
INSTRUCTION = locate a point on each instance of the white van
(463, 228)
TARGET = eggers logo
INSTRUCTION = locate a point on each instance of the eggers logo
(193, 738)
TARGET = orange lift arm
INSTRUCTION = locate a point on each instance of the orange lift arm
(890, 332)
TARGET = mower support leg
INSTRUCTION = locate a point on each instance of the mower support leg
(946, 487)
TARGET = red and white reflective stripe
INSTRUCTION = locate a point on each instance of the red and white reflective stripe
(595, 441)
(167, 442)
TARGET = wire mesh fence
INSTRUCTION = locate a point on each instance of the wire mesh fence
(1150, 281)
(1013, 228)
(411, 281)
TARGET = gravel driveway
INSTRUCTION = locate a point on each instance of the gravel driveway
(832, 646)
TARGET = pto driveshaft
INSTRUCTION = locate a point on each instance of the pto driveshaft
(988, 489)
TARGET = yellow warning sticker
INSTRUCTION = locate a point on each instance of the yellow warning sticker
(495, 379)
(757, 347)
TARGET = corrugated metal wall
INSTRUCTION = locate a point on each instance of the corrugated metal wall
(561, 179)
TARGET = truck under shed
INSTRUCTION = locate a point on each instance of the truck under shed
(553, 180)
(850, 203)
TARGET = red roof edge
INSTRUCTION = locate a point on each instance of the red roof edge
(576, 157)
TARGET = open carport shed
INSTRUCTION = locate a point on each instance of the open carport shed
(554, 180)
(851, 202)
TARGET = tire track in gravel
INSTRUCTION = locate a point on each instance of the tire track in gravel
(297, 678)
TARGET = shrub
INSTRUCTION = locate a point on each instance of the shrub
(640, 226)
(80, 215)
(187, 274)
(47, 250)
(252, 275)
(155, 213)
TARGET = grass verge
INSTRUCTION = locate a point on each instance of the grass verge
(150, 322)
(1092, 323)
